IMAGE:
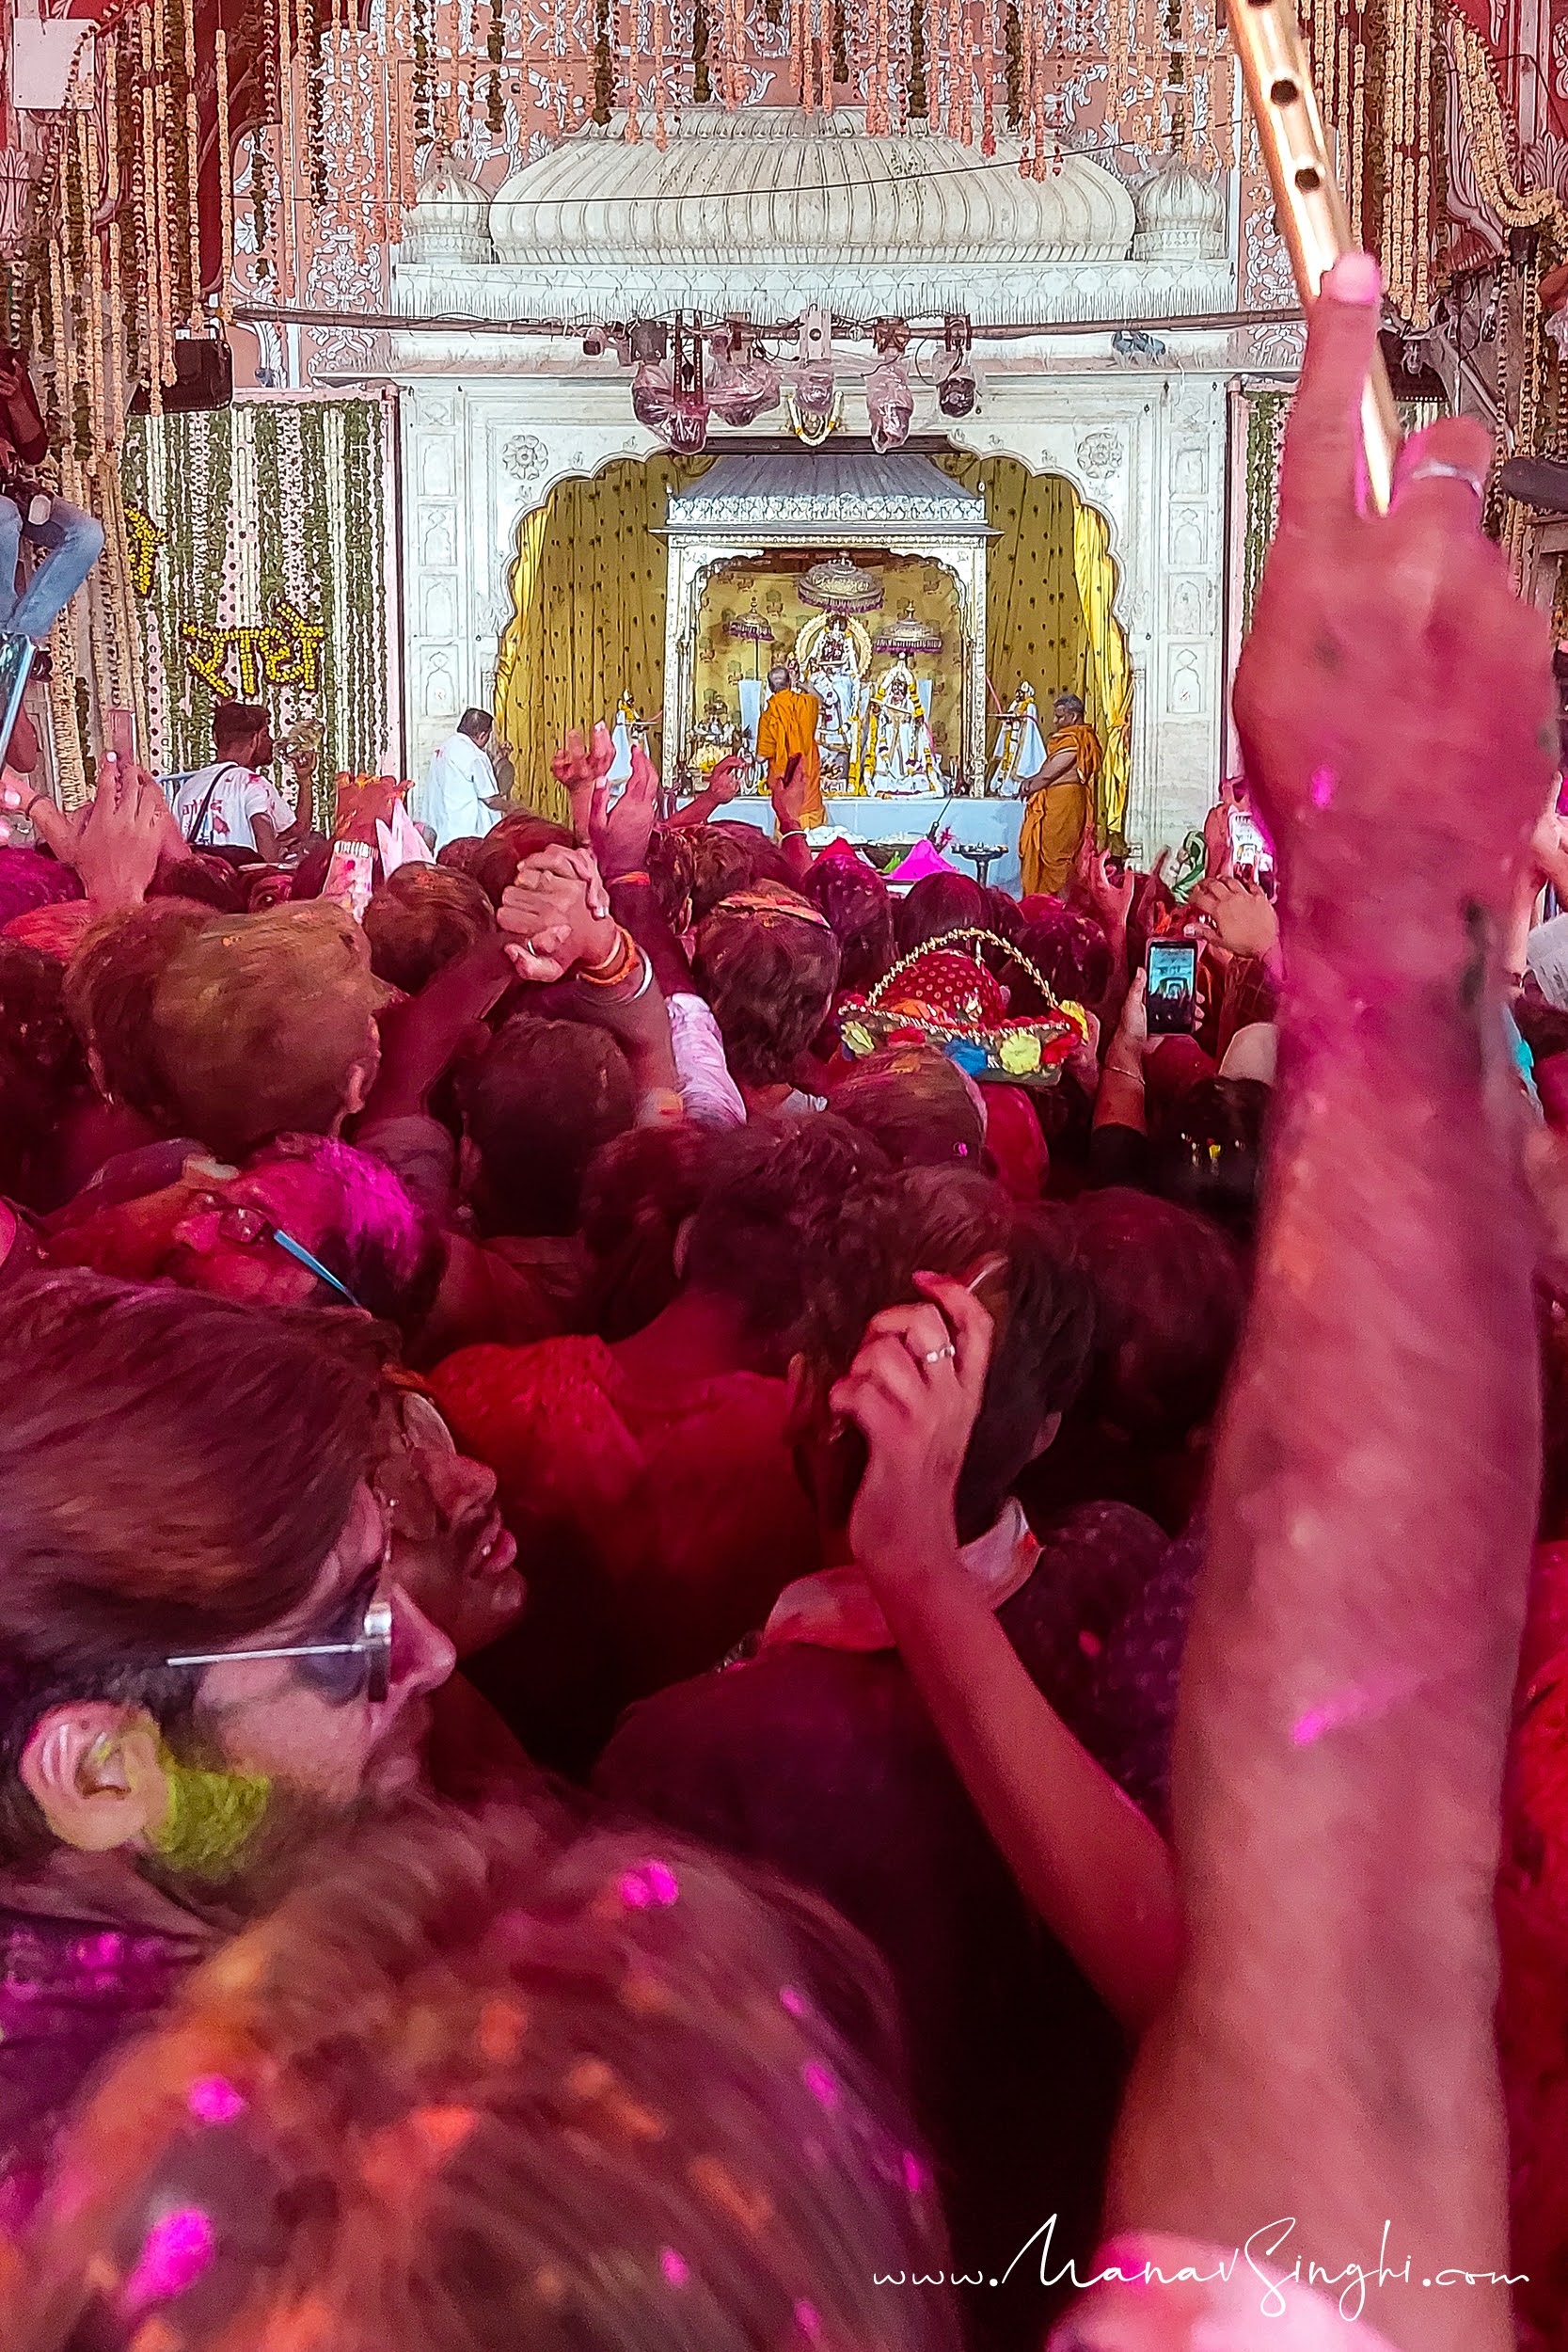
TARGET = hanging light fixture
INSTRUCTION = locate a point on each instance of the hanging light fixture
(838, 585)
(889, 400)
(650, 339)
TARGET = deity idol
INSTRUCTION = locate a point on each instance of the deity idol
(833, 675)
(629, 733)
(1020, 745)
(713, 738)
(899, 757)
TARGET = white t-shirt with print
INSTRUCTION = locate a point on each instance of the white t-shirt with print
(239, 795)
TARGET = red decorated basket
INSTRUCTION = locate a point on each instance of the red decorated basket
(944, 994)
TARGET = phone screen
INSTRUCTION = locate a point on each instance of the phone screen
(1172, 996)
(16, 660)
(349, 875)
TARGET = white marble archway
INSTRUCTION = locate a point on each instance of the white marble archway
(1145, 447)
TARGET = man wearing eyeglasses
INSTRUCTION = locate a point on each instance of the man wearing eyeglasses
(202, 1651)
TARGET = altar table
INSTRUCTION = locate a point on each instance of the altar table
(872, 816)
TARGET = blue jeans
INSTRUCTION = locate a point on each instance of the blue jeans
(70, 544)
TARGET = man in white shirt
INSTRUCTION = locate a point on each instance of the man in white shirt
(460, 799)
(231, 804)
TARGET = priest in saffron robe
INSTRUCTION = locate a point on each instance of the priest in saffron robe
(787, 730)
(1058, 800)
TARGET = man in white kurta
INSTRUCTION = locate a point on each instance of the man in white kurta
(456, 798)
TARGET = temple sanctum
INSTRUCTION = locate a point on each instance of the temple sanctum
(1050, 519)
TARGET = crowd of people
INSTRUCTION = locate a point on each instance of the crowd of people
(666, 1684)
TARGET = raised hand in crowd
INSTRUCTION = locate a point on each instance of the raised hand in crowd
(556, 915)
(1549, 851)
(724, 781)
(128, 827)
(788, 797)
(561, 935)
(619, 833)
(913, 1392)
(116, 840)
(1093, 1866)
(1329, 2055)
(1120, 1102)
(1109, 885)
(726, 778)
(579, 768)
(1219, 843)
(1238, 915)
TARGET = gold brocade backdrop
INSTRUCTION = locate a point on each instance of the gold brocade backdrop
(722, 662)
(588, 597)
(587, 592)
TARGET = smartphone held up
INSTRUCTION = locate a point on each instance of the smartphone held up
(1171, 995)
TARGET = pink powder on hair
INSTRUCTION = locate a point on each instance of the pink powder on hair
(175, 2253)
(809, 2321)
(651, 1881)
(823, 2089)
(791, 2000)
(676, 2271)
(214, 2100)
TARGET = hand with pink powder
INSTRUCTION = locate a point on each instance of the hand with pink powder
(1346, 1688)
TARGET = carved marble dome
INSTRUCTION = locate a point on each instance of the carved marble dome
(1180, 215)
(807, 188)
(763, 209)
(448, 220)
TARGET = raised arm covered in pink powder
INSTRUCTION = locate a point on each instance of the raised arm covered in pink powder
(1328, 2059)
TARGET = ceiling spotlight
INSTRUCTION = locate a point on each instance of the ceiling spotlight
(685, 429)
(650, 339)
(890, 405)
(743, 383)
(595, 341)
(651, 395)
(957, 390)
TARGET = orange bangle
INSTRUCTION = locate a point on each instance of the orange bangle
(616, 965)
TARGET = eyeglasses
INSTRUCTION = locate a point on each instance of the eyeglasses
(360, 1665)
(401, 1479)
(246, 1226)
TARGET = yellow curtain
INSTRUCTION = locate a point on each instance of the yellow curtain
(587, 616)
(1048, 609)
(1107, 673)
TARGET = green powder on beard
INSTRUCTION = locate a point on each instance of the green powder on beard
(210, 1819)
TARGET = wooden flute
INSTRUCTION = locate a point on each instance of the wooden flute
(1312, 216)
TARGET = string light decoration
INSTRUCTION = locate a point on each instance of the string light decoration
(337, 118)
